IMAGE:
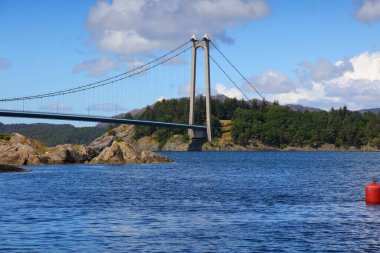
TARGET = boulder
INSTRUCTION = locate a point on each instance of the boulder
(147, 143)
(151, 157)
(69, 153)
(121, 133)
(102, 142)
(176, 143)
(17, 149)
(118, 153)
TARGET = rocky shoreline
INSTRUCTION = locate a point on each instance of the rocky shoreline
(179, 143)
(119, 147)
(16, 149)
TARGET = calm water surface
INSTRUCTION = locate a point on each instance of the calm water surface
(204, 202)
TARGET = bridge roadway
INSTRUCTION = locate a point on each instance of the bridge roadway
(87, 118)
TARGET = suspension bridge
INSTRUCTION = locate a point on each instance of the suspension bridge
(139, 86)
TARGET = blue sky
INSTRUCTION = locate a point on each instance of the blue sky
(316, 53)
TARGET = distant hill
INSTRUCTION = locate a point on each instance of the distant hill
(52, 134)
(301, 108)
(371, 110)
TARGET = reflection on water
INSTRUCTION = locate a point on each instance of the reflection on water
(225, 202)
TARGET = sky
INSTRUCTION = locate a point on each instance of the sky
(319, 53)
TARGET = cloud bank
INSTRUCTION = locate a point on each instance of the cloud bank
(95, 68)
(369, 10)
(228, 92)
(354, 82)
(141, 26)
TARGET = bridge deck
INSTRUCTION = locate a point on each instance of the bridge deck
(87, 118)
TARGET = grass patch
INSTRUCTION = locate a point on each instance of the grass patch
(6, 137)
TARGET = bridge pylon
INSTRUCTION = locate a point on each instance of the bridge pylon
(204, 43)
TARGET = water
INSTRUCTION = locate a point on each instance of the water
(204, 202)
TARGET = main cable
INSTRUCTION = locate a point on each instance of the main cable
(108, 80)
(229, 78)
(237, 70)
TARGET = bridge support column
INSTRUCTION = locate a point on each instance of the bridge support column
(205, 45)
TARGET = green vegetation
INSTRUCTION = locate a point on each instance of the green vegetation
(271, 124)
(242, 122)
(176, 111)
(4, 136)
(52, 135)
(279, 126)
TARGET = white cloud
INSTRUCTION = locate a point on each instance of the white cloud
(228, 92)
(270, 81)
(5, 64)
(368, 10)
(306, 95)
(96, 67)
(365, 66)
(105, 107)
(159, 99)
(324, 69)
(140, 26)
(356, 85)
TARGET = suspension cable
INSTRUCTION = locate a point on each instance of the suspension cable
(238, 71)
(132, 72)
(229, 78)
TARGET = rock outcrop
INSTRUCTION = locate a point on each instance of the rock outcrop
(117, 153)
(122, 153)
(16, 149)
(176, 143)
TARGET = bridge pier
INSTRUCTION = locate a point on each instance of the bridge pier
(205, 45)
(199, 138)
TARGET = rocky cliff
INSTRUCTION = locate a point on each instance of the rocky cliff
(16, 149)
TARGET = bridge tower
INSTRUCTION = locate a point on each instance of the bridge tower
(204, 43)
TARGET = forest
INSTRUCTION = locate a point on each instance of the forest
(269, 123)
(52, 135)
(253, 122)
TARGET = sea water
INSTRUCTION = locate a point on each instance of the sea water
(202, 202)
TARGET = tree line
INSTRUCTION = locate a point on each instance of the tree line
(268, 123)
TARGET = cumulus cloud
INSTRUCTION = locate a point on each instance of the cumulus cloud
(368, 10)
(96, 67)
(271, 81)
(105, 107)
(324, 69)
(5, 64)
(354, 82)
(228, 92)
(141, 26)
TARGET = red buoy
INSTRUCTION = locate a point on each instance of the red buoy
(372, 193)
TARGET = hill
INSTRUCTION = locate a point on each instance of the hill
(52, 135)
(236, 125)
(371, 110)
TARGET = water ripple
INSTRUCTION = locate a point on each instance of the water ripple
(204, 202)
